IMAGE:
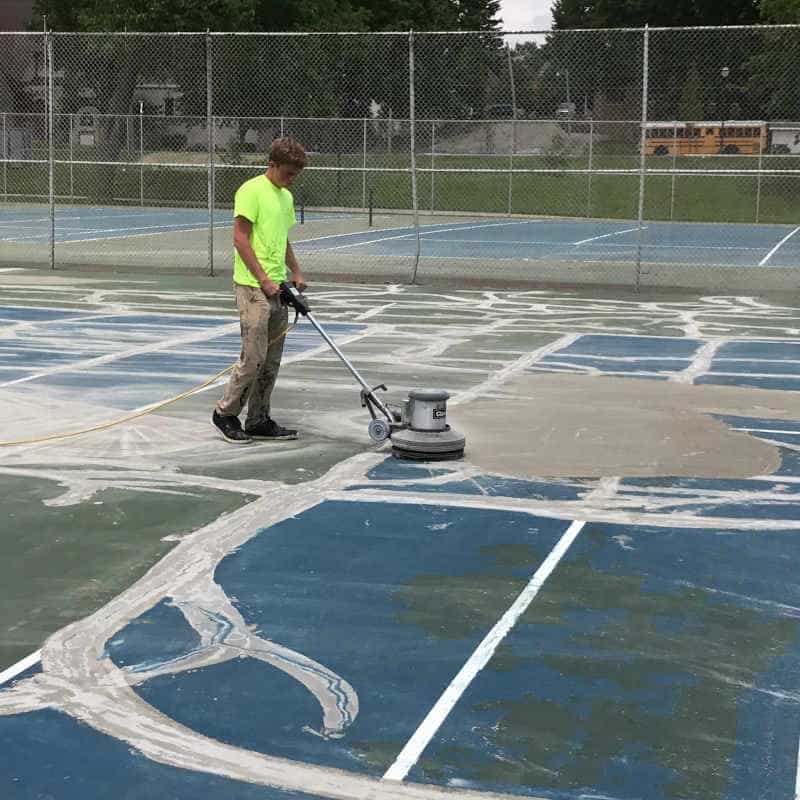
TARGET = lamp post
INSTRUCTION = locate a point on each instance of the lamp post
(568, 105)
(725, 72)
(565, 73)
(141, 152)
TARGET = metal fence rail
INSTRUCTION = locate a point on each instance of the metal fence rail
(631, 156)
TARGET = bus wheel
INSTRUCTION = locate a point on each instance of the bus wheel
(661, 150)
(730, 149)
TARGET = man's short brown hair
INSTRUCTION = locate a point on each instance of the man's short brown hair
(287, 151)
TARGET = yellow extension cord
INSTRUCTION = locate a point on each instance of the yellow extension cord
(138, 414)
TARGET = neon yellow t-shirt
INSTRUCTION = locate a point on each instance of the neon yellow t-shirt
(271, 210)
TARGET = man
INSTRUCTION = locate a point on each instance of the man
(263, 214)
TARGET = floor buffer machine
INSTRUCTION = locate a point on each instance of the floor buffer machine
(417, 427)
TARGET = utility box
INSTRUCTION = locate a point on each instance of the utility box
(15, 143)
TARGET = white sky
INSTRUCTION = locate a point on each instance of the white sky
(522, 15)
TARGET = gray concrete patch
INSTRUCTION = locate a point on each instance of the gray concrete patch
(582, 426)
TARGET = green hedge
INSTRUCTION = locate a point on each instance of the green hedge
(700, 198)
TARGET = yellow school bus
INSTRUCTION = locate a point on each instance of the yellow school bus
(705, 138)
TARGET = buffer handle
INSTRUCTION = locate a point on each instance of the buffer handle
(292, 297)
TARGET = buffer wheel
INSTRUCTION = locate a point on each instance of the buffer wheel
(379, 430)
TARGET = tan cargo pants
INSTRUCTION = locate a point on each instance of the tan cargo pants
(262, 320)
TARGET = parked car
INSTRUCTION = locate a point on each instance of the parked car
(503, 111)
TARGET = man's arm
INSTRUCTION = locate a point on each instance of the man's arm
(294, 267)
(242, 228)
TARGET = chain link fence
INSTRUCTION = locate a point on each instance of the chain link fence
(636, 157)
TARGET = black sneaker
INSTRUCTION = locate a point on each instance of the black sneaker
(230, 428)
(269, 429)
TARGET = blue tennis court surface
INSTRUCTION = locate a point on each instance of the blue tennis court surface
(93, 223)
(769, 364)
(516, 239)
(579, 240)
(124, 361)
(650, 665)
(396, 629)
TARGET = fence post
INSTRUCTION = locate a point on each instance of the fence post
(674, 165)
(6, 154)
(513, 146)
(413, 125)
(50, 145)
(364, 168)
(761, 144)
(433, 164)
(591, 166)
(210, 188)
(141, 152)
(71, 160)
(642, 152)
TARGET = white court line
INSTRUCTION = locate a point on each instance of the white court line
(768, 361)
(787, 376)
(410, 754)
(361, 233)
(410, 228)
(7, 325)
(767, 430)
(43, 220)
(772, 252)
(649, 246)
(429, 233)
(88, 219)
(125, 232)
(797, 777)
(158, 345)
(605, 235)
(15, 669)
(321, 349)
(701, 363)
(217, 226)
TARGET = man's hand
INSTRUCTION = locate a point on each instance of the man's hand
(270, 288)
(294, 268)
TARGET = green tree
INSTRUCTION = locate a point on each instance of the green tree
(268, 15)
(113, 67)
(773, 82)
(187, 15)
(267, 77)
(616, 72)
(691, 102)
(780, 11)
(637, 13)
